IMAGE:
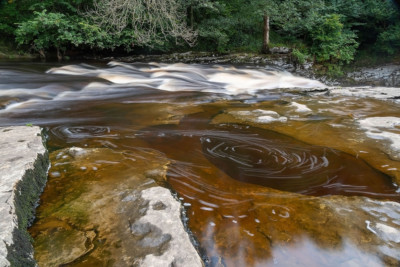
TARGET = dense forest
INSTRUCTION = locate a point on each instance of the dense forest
(330, 31)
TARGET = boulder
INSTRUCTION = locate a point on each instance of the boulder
(280, 50)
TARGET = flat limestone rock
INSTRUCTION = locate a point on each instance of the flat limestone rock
(383, 93)
(164, 215)
(23, 173)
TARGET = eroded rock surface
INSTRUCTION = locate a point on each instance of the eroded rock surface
(383, 93)
(388, 75)
(23, 173)
(163, 218)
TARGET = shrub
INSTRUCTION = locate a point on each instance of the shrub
(56, 30)
(331, 42)
(298, 56)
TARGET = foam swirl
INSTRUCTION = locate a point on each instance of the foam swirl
(73, 133)
(270, 159)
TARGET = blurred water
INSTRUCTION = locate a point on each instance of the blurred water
(269, 174)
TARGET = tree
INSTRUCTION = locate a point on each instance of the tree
(10, 13)
(265, 10)
(219, 26)
(265, 46)
(144, 22)
(331, 42)
(48, 30)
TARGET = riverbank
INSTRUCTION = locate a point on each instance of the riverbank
(356, 74)
(8, 52)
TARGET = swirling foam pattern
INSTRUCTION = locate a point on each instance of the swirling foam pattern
(72, 133)
(270, 159)
(263, 157)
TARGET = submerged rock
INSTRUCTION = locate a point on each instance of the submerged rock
(227, 178)
(91, 216)
(58, 251)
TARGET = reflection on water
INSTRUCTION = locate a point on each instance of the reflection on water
(268, 176)
(252, 225)
(279, 162)
(266, 158)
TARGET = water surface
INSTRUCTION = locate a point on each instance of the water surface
(268, 175)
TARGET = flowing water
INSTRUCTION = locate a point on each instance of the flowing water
(271, 169)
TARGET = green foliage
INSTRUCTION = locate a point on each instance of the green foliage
(389, 40)
(228, 26)
(334, 70)
(298, 56)
(63, 6)
(9, 14)
(56, 30)
(331, 31)
(331, 42)
(209, 20)
(45, 30)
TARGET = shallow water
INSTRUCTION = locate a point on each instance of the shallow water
(269, 175)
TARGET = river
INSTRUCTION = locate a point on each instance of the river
(272, 169)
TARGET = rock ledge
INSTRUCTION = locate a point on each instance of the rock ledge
(23, 173)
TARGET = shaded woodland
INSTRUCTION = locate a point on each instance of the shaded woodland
(325, 31)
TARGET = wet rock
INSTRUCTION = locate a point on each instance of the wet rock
(82, 244)
(280, 58)
(167, 225)
(23, 173)
(152, 236)
(112, 207)
(258, 116)
(384, 128)
(76, 152)
(388, 75)
(280, 50)
(159, 206)
(384, 93)
(388, 233)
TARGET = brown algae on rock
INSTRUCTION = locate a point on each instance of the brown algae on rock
(86, 215)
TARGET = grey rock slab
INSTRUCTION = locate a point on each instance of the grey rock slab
(280, 50)
(388, 75)
(23, 173)
(383, 93)
(162, 225)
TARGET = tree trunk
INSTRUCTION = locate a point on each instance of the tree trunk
(59, 54)
(191, 17)
(265, 47)
(42, 54)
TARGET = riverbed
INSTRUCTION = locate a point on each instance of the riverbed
(272, 169)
